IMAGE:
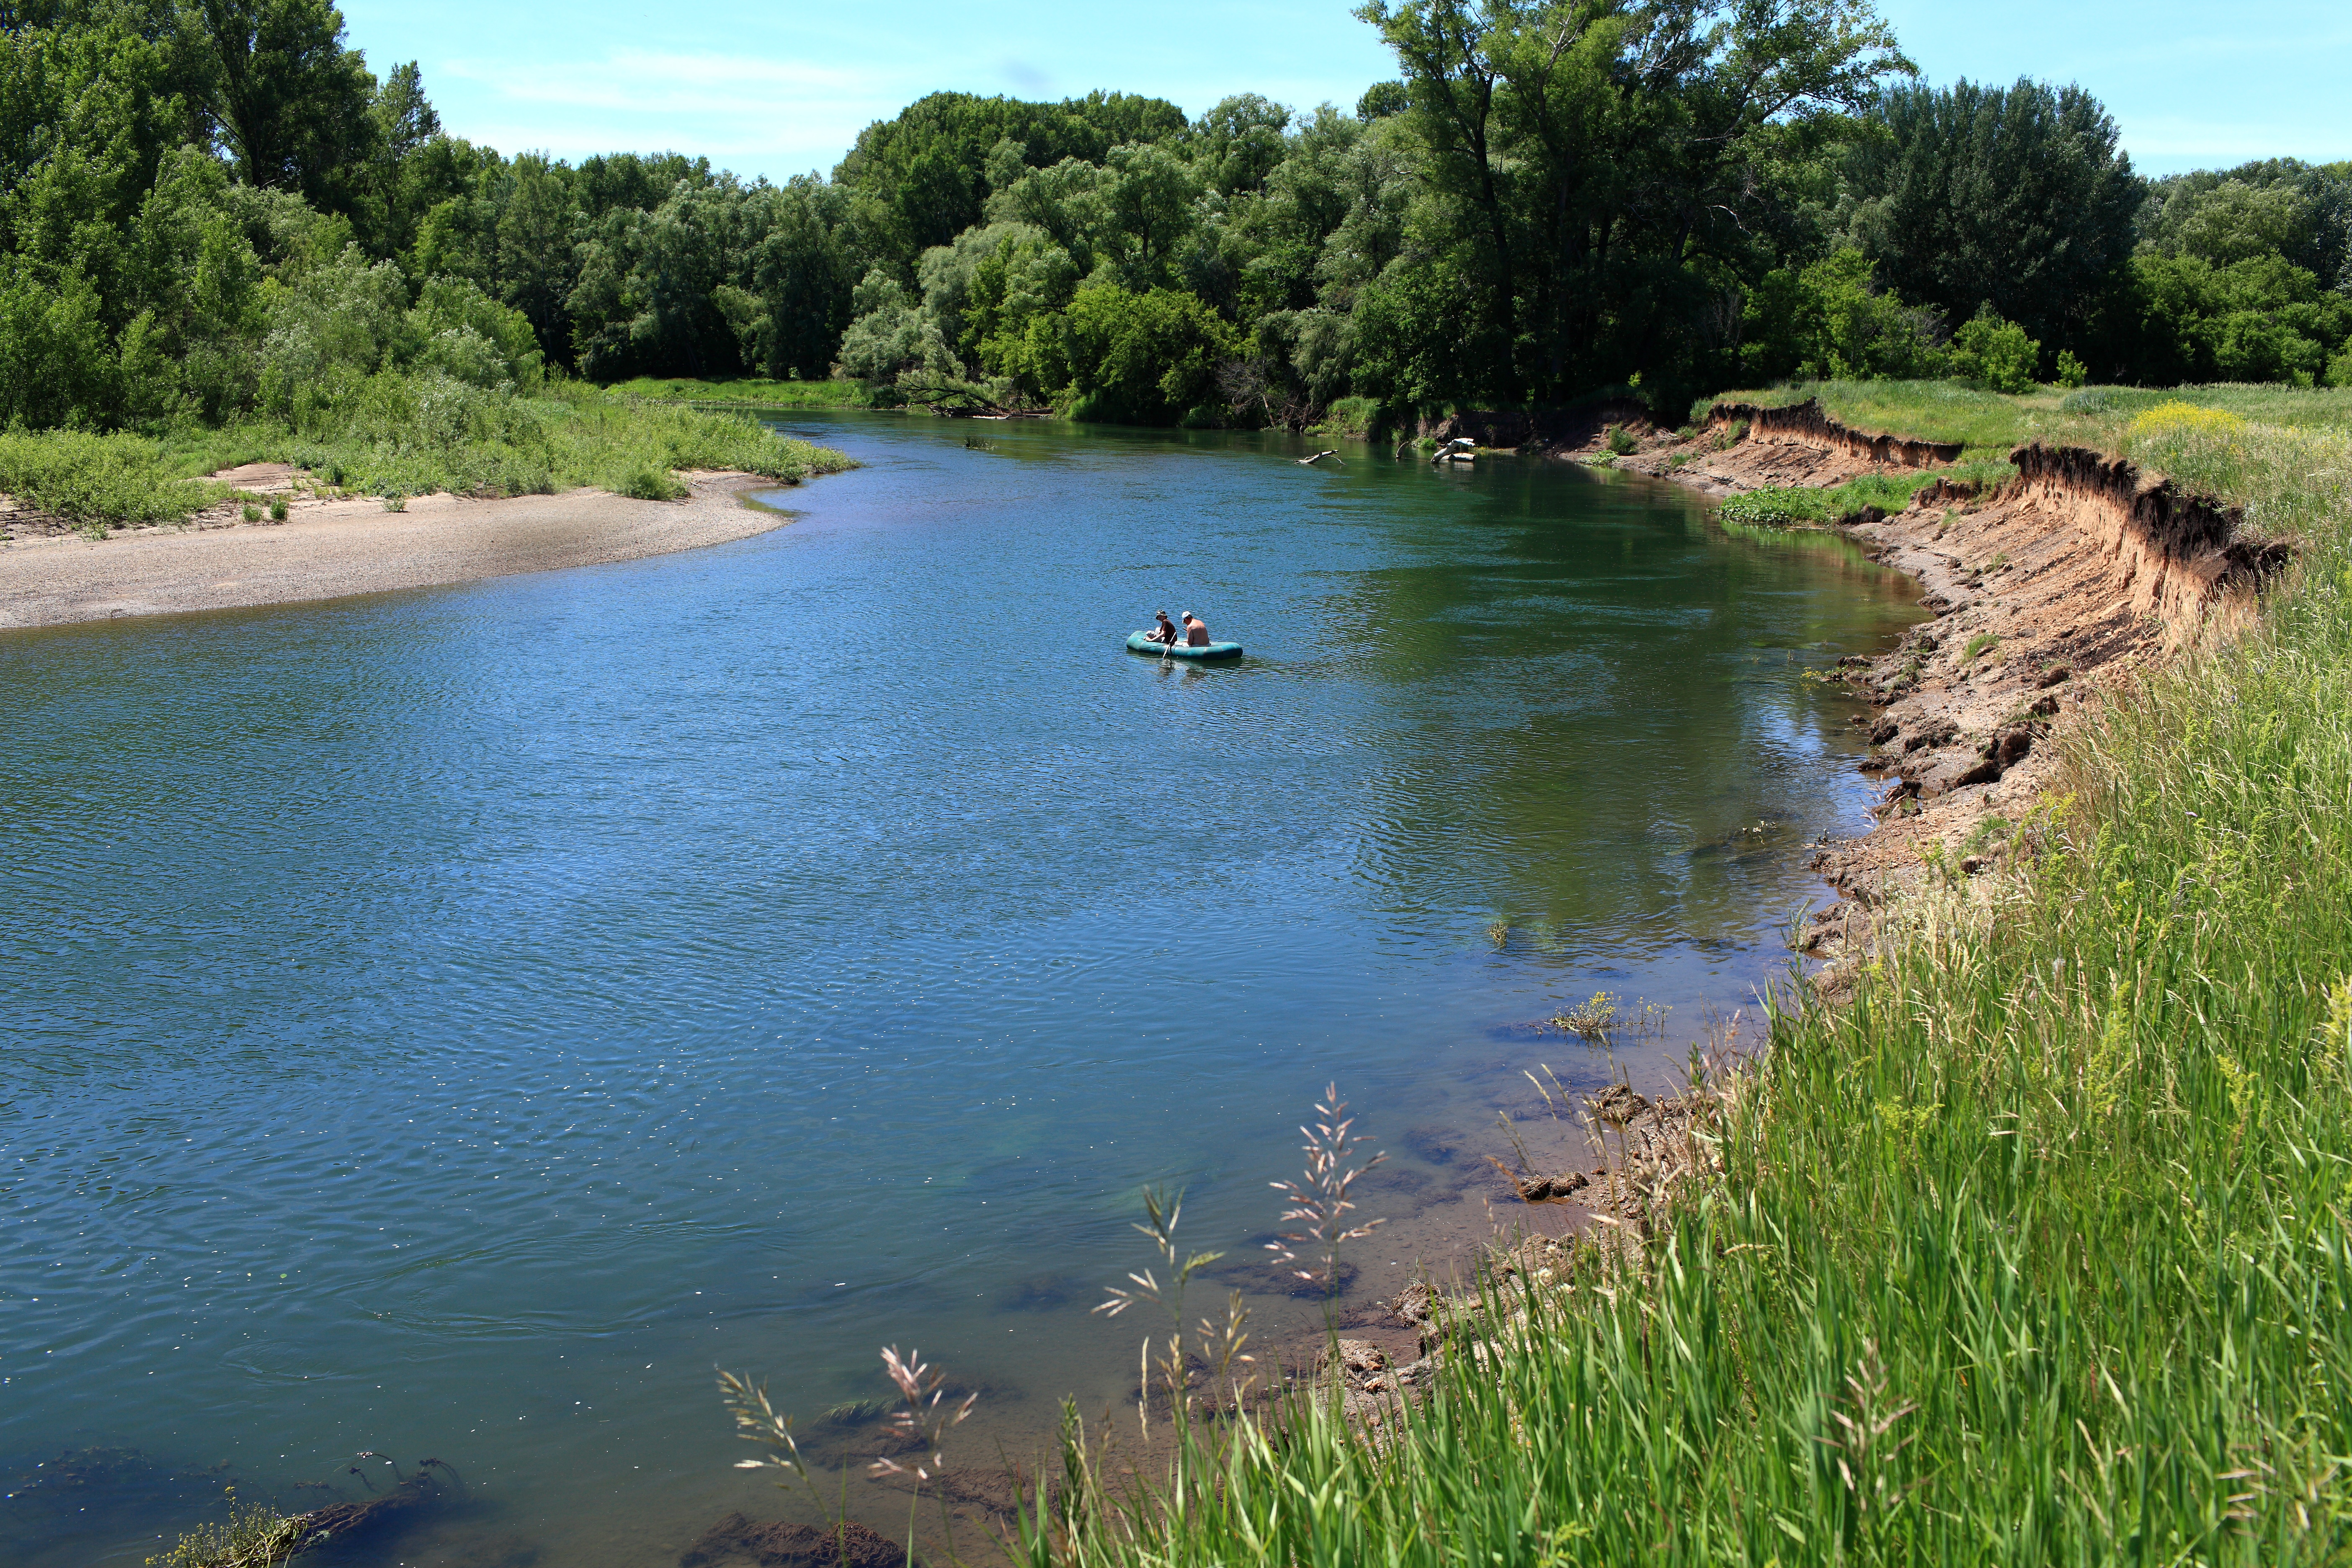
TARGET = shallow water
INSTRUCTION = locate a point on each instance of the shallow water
(450, 1023)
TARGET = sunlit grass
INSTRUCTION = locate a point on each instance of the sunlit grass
(751, 391)
(400, 435)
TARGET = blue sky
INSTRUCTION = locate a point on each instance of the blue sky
(782, 87)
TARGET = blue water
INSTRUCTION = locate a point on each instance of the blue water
(453, 1022)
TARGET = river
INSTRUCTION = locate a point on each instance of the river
(453, 1023)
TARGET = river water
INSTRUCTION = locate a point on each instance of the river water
(453, 1023)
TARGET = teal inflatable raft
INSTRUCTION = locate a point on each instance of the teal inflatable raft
(1137, 642)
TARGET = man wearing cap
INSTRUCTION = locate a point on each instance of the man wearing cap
(1196, 630)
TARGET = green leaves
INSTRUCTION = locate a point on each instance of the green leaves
(1995, 354)
(1145, 358)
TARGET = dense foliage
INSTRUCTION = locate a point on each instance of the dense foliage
(222, 240)
(213, 208)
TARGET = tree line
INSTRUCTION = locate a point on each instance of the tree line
(213, 207)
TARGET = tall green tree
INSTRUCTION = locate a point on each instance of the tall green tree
(922, 178)
(294, 105)
(2020, 198)
(1587, 163)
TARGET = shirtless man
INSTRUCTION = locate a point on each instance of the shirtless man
(1165, 632)
(1196, 631)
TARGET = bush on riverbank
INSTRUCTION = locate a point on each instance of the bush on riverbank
(1806, 508)
(85, 478)
(2035, 1251)
(395, 434)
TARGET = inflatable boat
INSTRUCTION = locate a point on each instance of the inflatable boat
(1140, 642)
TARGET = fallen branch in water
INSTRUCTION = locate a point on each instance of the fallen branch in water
(261, 1537)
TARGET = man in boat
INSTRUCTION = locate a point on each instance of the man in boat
(1165, 632)
(1196, 631)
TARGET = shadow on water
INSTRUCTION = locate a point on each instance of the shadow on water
(451, 1023)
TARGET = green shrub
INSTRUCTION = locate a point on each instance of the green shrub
(254, 1535)
(1777, 508)
(1355, 417)
(2070, 370)
(102, 480)
(1803, 507)
(1621, 440)
(646, 484)
(1834, 319)
(1995, 354)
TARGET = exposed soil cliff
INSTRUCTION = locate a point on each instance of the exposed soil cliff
(1808, 423)
(2046, 589)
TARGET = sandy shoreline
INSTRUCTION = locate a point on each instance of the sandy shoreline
(331, 549)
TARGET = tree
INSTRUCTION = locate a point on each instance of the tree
(2259, 319)
(2301, 211)
(294, 107)
(646, 303)
(1833, 319)
(1148, 209)
(400, 184)
(1237, 144)
(1143, 358)
(1588, 164)
(2017, 198)
(923, 178)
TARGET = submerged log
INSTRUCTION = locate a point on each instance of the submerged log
(396, 1510)
(1319, 457)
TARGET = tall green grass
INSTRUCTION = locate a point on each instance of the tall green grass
(1805, 507)
(751, 391)
(2035, 1251)
(1982, 422)
(401, 435)
(93, 480)
(1988, 423)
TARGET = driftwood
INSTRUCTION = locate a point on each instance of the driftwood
(1319, 457)
(1460, 449)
